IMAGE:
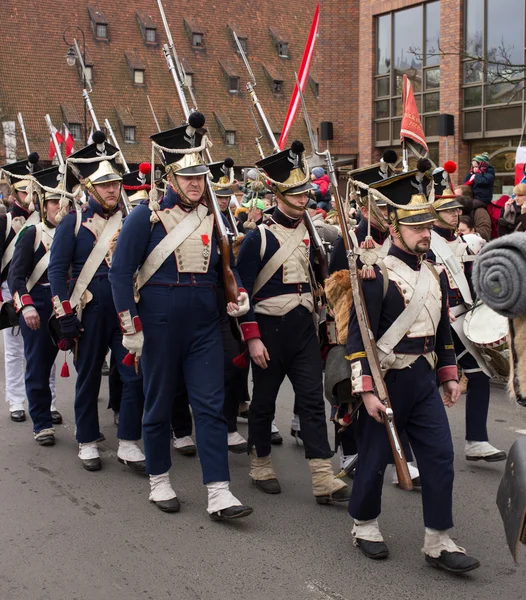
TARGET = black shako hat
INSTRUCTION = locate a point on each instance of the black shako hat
(285, 170)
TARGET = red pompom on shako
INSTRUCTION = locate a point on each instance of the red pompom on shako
(450, 166)
(145, 168)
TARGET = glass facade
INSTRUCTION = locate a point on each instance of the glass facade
(407, 43)
(493, 88)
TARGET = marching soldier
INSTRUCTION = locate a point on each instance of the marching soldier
(275, 265)
(23, 213)
(85, 312)
(410, 323)
(449, 250)
(175, 329)
(29, 286)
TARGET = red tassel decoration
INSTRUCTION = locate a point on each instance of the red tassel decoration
(129, 360)
(368, 243)
(64, 372)
(241, 360)
(368, 272)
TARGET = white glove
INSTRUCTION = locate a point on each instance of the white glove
(244, 305)
(134, 343)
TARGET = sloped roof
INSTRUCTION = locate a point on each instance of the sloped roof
(35, 79)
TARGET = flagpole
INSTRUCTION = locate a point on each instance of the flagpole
(54, 140)
(21, 121)
(405, 161)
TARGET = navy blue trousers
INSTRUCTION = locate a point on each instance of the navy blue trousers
(418, 409)
(40, 354)
(182, 338)
(102, 331)
(294, 352)
(477, 394)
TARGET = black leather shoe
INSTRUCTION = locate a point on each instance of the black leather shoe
(169, 506)
(238, 448)
(105, 371)
(91, 464)
(342, 495)
(18, 416)
(232, 512)
(296, 434)
(45, 440)
(275, 438)
(139, 466)
(188, 450)
(495, 457)
(416, 482)
(374, 550)
(455, 562)
(56, 417)
(269, 486)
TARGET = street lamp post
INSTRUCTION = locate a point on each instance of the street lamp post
(71, 59)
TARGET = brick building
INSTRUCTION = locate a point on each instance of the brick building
(123, 42)
(370, 44)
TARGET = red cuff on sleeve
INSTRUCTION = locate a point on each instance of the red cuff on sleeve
(67, 307)
(243, 290)
(129, 325)
(250, 331)
(363, 384)
(61, 309)
(448, 374)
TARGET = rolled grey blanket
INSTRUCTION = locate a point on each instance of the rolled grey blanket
(499, 275)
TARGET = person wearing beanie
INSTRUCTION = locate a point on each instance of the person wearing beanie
(322, 185)
(481, 178)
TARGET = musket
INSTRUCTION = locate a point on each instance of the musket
(257, 138)
(319, 248)
(126, 203)
(26, 143)
(179, 78)
(369, 343)
(88, 89)
(153, 113)
(54, 139)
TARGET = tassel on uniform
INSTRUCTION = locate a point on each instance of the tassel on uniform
(368, 243)
(64, 372)
(368, 272)
(129, 360)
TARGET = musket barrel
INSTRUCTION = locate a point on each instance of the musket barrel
(22, 127)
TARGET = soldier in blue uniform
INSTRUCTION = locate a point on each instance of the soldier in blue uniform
(414, 351)
(452, 252)
(86, 312)
(275, 263)
(175, 328)
(23, 212)
(29, 286)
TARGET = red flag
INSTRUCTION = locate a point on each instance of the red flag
(58, 136)
(411, 127)
(69, 141)
(303, 75)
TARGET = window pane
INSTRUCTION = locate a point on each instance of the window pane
(502, 93)
(382, 87)
(504, 118)
(473, 72)
(189, 80)
(230, 138)
(138, 77)
(382, 131)
(101, 31)
(197, 39)
(472, 96)
(150, 35)
(397, 107)
(432, 79)
(283, 50)
(396, 129)
(505, 35)
(382, 109)
(474, 20)
(431, 126)
(383, 44)
(431, 102)
(432, 33)
(472, 122)
(129, 134)
(234, 84)
(408, 41)
(74, 129)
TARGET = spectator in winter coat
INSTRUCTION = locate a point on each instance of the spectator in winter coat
(328, 233)
(513, 215)
(322, 191)
(481, 178)
(477, 210)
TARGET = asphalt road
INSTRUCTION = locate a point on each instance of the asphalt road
(66, 534)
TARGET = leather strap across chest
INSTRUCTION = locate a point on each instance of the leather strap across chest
(44, 235)
(33, 219)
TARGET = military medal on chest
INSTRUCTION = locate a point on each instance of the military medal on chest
(206, 249)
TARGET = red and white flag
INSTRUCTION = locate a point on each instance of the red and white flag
(303, 76)
(411, 130)
(58, 137)
(68, 138)
(520, 165)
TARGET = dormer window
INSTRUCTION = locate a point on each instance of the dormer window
(129, 135)
(280, 41)
(189, 82)
(283, 49)
(99, 23)
(231, 76)
(72, 120)
(277, 86)
(233, 86)
(89, 74)
(136, 67)
(196, 33)
(226, 128)
(275, 79)
(241, 36)
(230, 138)
(315, 87)
(243, 44)
(127, 125)
(75, 130)
(148, 28)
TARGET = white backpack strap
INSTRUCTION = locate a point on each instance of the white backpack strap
(263, 231)
(78, 221)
